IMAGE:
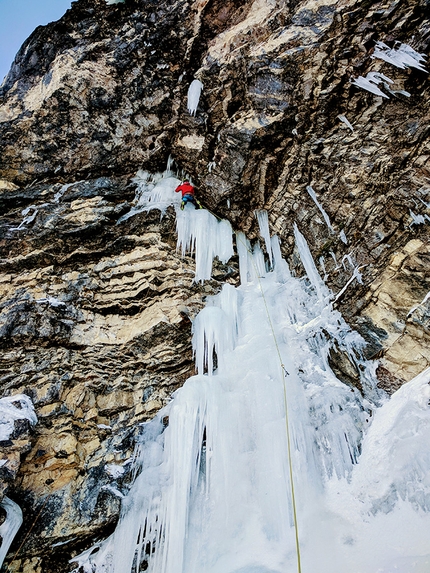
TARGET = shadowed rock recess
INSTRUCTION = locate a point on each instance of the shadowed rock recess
(94, 315)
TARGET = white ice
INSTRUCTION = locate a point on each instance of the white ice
(63, 189)
(349, 259)
(425, 299)
(356, 275)
(343, 237)
(251, 260)
(51, 301)
(10, 526)
(114, 470)
(322, 265)
(416, 219)
(312, 193)
(18, 407)
(29, 214)
(154, 191)
(193, 97)
(263, 223)
(402, 57)
(318, 284)
(212, 490)
(371, 82)
(344, 120)
(333, 256)
(201, 233)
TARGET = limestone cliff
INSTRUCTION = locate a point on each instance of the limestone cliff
(95, 315)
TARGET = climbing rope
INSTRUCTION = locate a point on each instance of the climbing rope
(287, 422)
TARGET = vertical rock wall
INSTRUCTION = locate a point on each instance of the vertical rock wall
(94, 315)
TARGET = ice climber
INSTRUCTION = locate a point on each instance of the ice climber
(188, 196)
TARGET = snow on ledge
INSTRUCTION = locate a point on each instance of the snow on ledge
(9, 412)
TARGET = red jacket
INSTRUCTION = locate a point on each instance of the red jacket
(185, 188)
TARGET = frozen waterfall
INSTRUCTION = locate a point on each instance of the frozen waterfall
(213, 492)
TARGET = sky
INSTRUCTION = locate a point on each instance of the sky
(18, 18)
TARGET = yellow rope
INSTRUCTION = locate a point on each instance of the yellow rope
(287, 423)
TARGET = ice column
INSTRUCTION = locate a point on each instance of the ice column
(199, 232)
(251, 259)
(310, 268)
(213, 492)
(194, 92)
(263, 223)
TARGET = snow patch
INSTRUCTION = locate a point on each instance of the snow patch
(114, 470)
(18, 407)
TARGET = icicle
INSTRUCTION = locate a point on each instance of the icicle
(343, 237)
(243, 247)
(10, 526)
(251, 260)
(371, 81)
(228, 302)
(201, 233)
(348, 258)
(309, 265)
(333, 256)
(194, 92)
(317, 203)
(345, 121)
(212, 335)
(402, 57)
(322, 264)
(355, 275)
(263, 223)
(212, 490)
(416, 219)
(224, 244)
(282, 269)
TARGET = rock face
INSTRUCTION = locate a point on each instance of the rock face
(95, 328)
(94, 315)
